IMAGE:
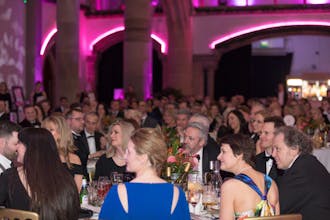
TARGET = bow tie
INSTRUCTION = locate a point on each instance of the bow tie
(197, 156)
(268, 157)
(90, 136)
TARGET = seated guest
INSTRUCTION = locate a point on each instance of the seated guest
(265, 163)
(114, 160)
(4, 115)
(31, 117)
(93, 136)
(237, 122)
(305, 185)
(249, 193)
(147, 196)
(41, 184)
(62, 135)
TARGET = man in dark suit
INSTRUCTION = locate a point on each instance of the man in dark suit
(75, 120)
(4, 116)
(305, 185)
(31, 119)
(265, 163)
(146, 120)
(92, 135)
(211, 149)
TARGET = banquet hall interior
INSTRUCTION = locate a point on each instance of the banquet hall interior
(196, 46)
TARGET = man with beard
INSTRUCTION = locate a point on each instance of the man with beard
(8, 144)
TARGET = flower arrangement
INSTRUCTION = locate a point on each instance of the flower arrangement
(177, 156)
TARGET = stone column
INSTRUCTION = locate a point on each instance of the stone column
(138, 47)
(33, 70)
(179, 63)
(67, 49)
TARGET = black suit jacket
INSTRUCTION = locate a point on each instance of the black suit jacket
(305, 188)
(26, 124)
(82, 150)
(97, 136)
(5, 117)
(149, 122)
(261, 166)
(210, 152)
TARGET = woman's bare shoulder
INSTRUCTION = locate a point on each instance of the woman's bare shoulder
(73, 158)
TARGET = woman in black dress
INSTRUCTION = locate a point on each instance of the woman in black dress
(41, 184)
(114, 161)
(63, 137)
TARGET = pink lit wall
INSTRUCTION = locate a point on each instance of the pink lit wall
(12, 43)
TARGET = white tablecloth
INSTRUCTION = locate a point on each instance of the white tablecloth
(323, 155)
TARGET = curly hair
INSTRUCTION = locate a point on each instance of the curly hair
(294, 138)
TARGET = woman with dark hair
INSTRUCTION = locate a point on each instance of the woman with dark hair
(237, 122)
(250, 193)
(41, 184)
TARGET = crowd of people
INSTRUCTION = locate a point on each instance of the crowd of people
(264, 149)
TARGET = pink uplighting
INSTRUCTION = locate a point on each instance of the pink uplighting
(163, 46)
(46, 41)
(105, 34)
(162, 43)
(266, 26)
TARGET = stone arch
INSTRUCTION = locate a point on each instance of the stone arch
(114, 40)
(246, 39)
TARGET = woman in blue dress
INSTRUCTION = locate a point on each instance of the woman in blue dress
(147, 196)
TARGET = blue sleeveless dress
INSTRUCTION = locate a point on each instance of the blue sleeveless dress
(145, 201)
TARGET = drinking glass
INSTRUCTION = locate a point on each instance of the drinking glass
(103, 186)
(117, 177)
(194, 197)
(195, 189)
(209, 197)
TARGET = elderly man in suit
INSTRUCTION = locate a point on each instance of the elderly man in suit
(305, 185)
(195, 139)
(211, 146)
(265, 163)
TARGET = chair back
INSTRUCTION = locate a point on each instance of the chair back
(278, 217)
(15, 214)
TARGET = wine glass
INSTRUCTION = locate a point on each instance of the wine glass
(195, 190)
(209, 197)
(103, 186)
(194, 197)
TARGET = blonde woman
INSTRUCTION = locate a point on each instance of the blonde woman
(61, 132)
(147, 196)
(114, 161)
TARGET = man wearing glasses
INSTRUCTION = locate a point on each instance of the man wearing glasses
(75, 120)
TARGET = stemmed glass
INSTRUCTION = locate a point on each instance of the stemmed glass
(209, 198)
(194, 197)
(195, 190)
(103, 186)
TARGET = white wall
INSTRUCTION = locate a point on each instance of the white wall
(310, 54)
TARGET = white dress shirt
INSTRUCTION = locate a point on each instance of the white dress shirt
(269, 163)
(5, 163)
